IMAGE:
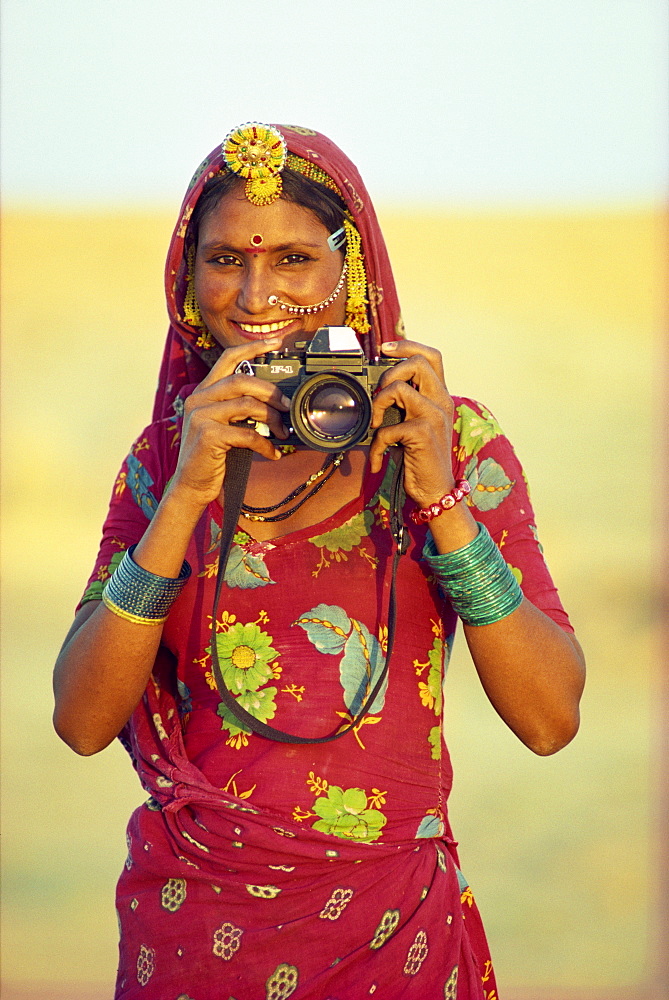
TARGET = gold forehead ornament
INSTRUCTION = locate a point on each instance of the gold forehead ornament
(257, 153)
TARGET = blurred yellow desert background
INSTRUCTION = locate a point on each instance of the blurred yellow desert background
(554, 320)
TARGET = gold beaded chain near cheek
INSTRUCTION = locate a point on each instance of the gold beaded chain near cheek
(356, 281)
(192, 314)
(353, 272)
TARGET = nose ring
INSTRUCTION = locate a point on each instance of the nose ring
(294, 310)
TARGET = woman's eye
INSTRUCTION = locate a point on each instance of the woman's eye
(294, 258)
(227, 259)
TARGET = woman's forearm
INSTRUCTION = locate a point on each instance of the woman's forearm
(532, 670)
(533, 673)
(106, 661)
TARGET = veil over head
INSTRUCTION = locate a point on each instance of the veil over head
(188, 355)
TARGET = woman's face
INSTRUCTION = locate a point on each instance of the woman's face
(247, 253)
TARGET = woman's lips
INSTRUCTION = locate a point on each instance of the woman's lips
(259, 331)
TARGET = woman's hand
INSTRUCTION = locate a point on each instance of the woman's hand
(416, 384)
(212, 416)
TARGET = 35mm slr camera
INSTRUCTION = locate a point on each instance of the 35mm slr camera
(330, 384)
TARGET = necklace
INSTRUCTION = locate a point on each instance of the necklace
(320, 478)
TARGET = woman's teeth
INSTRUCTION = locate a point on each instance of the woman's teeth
(264, 327)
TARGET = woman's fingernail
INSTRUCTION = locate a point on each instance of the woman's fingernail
(285, 401)
(390, 345)
(273, 341)
(277, 453)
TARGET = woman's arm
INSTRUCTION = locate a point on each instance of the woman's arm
(532, 670)
(106, 661)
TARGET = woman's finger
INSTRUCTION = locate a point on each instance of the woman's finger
(409, 349)
(234, 386)
(238, 409)
(238, 436)
(418, 372)
(233, 356)
(413, 402)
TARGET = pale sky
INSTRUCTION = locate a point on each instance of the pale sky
(474, 102)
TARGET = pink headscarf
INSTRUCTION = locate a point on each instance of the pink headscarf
(186, 360)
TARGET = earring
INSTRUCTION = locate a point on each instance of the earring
(192, 314)
(356, 282)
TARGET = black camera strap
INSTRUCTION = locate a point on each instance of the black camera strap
(238, 466)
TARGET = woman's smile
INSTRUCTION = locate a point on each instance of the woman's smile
(233, 286)
(260, 330)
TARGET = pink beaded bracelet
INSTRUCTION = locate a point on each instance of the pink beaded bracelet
(421, 515)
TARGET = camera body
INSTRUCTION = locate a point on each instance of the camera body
(330, 384)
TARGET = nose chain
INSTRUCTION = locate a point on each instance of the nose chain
(320, 478)
(294, 310)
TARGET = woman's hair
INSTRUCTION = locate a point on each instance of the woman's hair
(325, 205)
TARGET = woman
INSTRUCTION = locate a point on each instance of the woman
(323, 868)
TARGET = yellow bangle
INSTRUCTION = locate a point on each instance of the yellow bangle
(128, 616)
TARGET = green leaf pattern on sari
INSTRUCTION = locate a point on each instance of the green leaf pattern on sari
(489, 482)
(330, 630)
(475, 430)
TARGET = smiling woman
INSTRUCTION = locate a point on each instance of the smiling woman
(250, 261)
(258, 841)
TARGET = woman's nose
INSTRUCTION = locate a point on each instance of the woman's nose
(255, 288)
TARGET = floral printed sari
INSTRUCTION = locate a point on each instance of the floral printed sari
(262, 871)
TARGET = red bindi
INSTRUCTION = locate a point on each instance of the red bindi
(256, 241)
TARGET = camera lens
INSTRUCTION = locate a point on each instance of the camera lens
(330, 411)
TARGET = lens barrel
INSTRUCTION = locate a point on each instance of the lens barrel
(330, 411)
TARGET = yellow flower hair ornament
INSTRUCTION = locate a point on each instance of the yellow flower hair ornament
(257, 153)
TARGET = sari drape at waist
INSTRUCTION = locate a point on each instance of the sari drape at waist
(217, 889)
(253, 902)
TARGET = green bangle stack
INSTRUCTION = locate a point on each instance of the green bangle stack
(476, 579)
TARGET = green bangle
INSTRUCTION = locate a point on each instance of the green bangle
(476, 579)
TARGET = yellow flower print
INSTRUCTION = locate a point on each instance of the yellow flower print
(173, 894)
(145, 964)
(237, 740)
(231, 786)
(263, 891)
(293, 689)
(451, 985)
(386, 928)
(282, 983)
(299, 814)
(317, 785)
(377, 798)
(417, 954)
(227, 941)
(245, 653)
(336, 904)
(467, 897)
(210, 570)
